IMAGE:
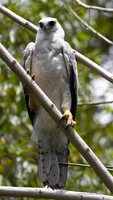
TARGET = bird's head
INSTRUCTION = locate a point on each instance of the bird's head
(50, 25)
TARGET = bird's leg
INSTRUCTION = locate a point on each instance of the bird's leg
(67, 115)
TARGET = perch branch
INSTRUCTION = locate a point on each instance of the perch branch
(72, 135)
(110, 168)
(49, 193)
(98, 8)
(89, 63)
(20, 20)
(94, 103)
(88, 27)
(92, 65)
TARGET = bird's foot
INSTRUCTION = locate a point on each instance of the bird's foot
(68, 117)
(32, 76)
(28, 71)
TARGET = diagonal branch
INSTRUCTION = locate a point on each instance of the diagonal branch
(89, 63)
(72, 135)
(98, 8)
(92, 65)
(110, 168)
(20, 20)
(88, 27)
(94, 103)
(6, 191)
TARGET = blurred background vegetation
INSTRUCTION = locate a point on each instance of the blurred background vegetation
(18, 156)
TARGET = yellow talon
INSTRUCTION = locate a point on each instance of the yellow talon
(68, 117)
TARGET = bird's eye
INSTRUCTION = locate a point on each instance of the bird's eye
(52, 23)
(41, 24)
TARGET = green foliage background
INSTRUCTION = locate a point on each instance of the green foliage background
(18, 156)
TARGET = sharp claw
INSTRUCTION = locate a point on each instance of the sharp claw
(68, 117)
(64, 116)
(72, 123)
(33, 76)
(27, 71)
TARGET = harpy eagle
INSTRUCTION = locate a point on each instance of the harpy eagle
(51, 61)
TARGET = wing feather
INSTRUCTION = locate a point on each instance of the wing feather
(71, 66)
(27, 60)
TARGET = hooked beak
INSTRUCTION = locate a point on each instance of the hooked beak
(45, 28)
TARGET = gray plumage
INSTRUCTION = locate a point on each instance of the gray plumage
(53, 63)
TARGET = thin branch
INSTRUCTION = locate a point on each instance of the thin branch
(110, 168)
(88, 27)
(94, 103)
(89, 63)
(72, 135)
(98, 8)
(48, 193)
(92, 65)
(20, 20)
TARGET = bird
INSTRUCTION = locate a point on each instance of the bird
(51, 63)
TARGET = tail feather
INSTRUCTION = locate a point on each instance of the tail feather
(44, 165)
(53, 176)
(63, 158)
(52, 172)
